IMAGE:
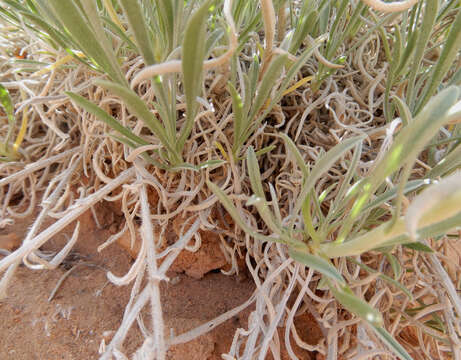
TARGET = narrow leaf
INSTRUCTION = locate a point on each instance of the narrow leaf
(357, 306)
(322, 166)
(231, 209)
(257, 187)
(138, 25)
(267, 84)
(447, 57)
(418, 247)
(75, 22)
(105, 117)
(5, 102)
(391, 343)
(237, 109)
(298, 157)
(193, 55)
(405, 149)
(395, 265)
(423, 35)
(317, 263)
(140, 109)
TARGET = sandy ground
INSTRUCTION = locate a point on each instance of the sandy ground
(87, 309)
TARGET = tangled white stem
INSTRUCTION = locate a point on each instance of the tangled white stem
(390, 7)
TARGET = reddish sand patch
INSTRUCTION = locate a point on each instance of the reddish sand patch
(87, 309)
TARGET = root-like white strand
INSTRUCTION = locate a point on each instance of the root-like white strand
(391, 7)
(147, 233)
(77, 209)
(38, 165)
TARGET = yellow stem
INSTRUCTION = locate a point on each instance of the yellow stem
(113, 15)
(22, 130)
(57, 63)
(222, 150)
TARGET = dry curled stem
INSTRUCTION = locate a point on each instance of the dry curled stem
(390, 7)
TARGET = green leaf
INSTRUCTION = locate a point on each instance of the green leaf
(91, 13)
(391, 343)
(357, 306)
(423, 35)
(413, 137)
(184, 166)
(395, 265)
(138, 25)
(391, 194)
(266, 86)
(298, 157)
(115, 28)
(260, 152)
(317, 263)
(447, 57)
(438, 220)
(322, 166)
(140, 109)
(166, 11)
(237, 109)
(303, 27)
(257, 187)
(231, 209)
(76, 23)
(254, 173)
(106, 118)
(341, 199)
(211, 164)
(418, 246)
(443, 197)
(5, 102)
(404, 150)
(193, 55)
(404, 111)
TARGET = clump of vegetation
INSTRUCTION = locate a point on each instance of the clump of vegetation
(328, 130)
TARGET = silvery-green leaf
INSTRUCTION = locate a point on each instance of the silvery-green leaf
(418, 247)
(140, 109)
(317, 263)
(357, 306)
(138, 25)
(105, 117)
(193, 55)
(389, 340)
(449, 53)
(5, 102)
(436, 195)
(229, 206)
(322, 166)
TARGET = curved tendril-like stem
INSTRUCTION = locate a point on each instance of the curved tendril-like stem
(267, 9)
(268, 12)
(174, 66)
(396, 6)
